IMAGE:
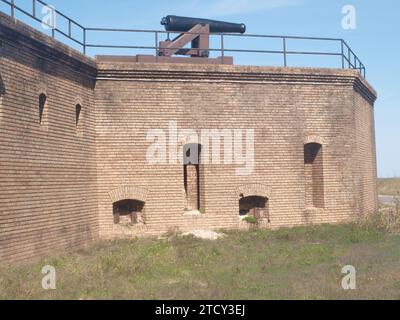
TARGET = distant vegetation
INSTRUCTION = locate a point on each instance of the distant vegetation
(389, 186)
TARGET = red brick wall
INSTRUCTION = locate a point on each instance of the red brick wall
(287, 108)
(58, 182)
(365, 156)
(47, 173)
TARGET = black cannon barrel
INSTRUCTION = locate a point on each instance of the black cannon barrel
(184, 24)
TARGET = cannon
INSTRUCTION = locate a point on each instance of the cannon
(194, 30)
(184, 24)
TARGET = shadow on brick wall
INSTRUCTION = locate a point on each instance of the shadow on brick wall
(33, 49)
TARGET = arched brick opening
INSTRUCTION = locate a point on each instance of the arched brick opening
(43, 109)
(43, 106)
(128, 211)
(255, 206)
(128, 204)
(254, 201)
(79, 116)
(314, 175)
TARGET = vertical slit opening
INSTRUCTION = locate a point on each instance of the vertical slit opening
(314, 175)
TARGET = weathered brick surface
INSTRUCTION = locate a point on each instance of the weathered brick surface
(58, 185)
(287, 108)
(47, 174)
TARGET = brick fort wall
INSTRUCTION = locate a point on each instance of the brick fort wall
(68, 178)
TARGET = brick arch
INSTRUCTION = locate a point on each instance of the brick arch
(314, 139)
(42, 89)
(314, 172)
(79, 114)
(78, 100)
(128, 192)
(253, 190)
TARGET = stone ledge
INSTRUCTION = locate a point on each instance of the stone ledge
(235, 74)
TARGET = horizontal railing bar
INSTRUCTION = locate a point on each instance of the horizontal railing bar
(70, 38)
(213, 34)
(73, 21)
(45, 23)
(278, 37)
(28, 14)
(61, 14)
(119, 47)
(178, 48)
(123, 30)
(217, 50)
(314, 53)
(50, 26)
(20, 9)
(347, 54)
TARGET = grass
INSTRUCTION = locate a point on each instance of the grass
(299, 263)
(389, 186)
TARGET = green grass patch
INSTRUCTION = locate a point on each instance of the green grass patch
(297, 263)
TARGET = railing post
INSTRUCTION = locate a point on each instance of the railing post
(284, 52)
(53, 22)
(342, 45)
(34, 8)
(349, 56)
(156, 44)
(84, 41)
(12, 9)
(222, 48)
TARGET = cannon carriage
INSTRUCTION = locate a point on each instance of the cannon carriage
(195, 31)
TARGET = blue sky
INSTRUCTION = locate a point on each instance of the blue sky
(375, 39)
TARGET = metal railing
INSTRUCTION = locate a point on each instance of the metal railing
(346, 55)
(52, 25)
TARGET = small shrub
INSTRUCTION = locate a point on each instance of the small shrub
(387, 219)
(397, 204)
(283, 235)
(251, 220)
(172, 233)
(361, 234)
